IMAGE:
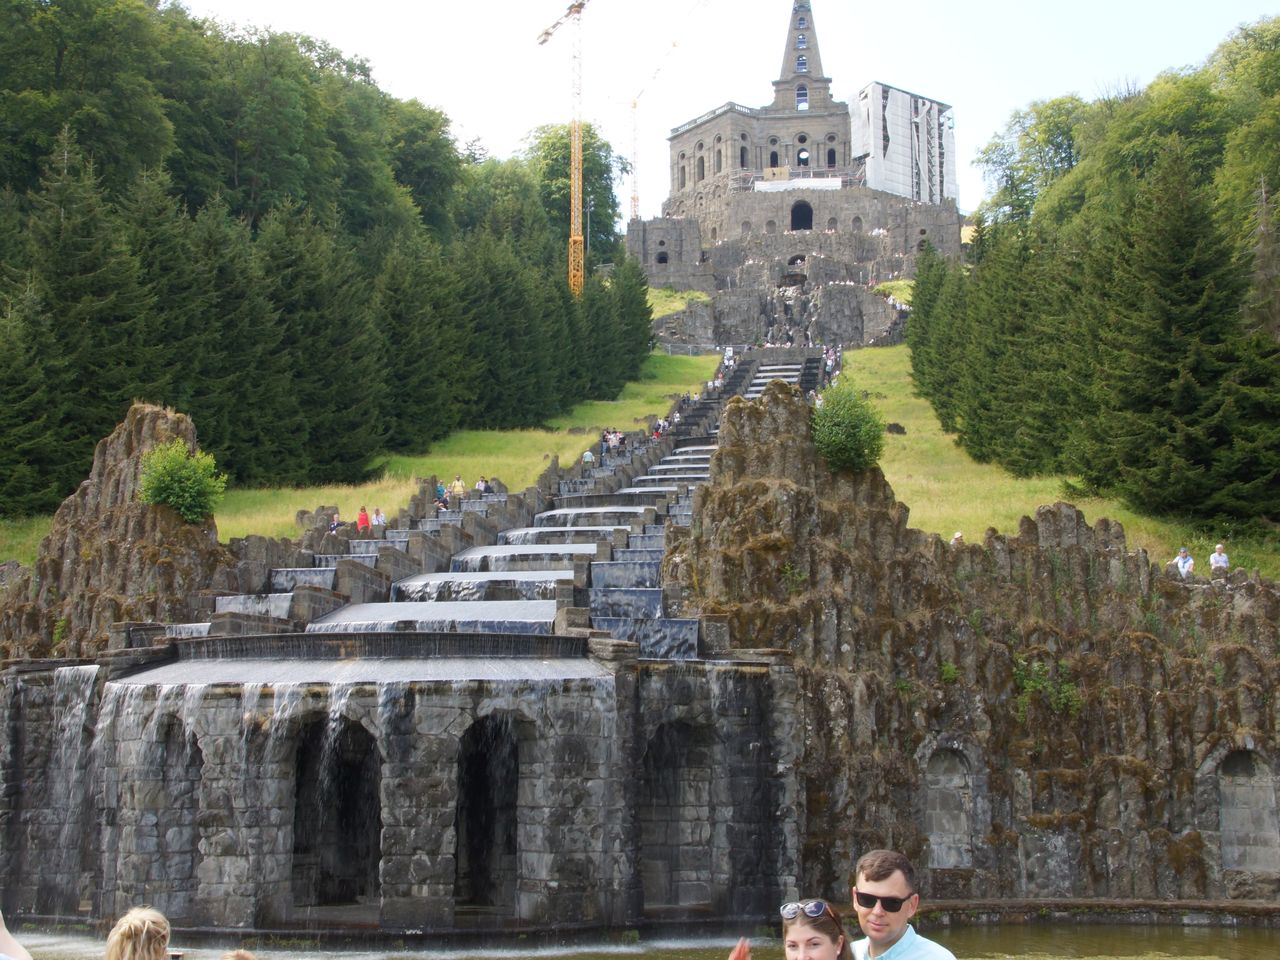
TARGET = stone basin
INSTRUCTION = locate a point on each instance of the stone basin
(480, 616)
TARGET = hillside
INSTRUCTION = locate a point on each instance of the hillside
(947, 490)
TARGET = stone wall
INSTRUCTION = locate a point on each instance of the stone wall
(1042, 715)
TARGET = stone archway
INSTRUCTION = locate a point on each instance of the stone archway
(948, 815)
(801, 216)
(337, 822)
(1250, 831)
(676, 816)
(488, 792)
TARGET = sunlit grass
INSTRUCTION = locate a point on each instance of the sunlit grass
(20, 538)
(516, 457)
(900, 290)
(947, 491)
(664, 301)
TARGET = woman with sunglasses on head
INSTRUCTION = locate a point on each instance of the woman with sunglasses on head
(811, 930)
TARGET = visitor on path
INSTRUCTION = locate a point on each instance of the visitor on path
(957, 539)
(9, 947)
(141, 934)
(481, 484)
(885, 900)
(588, 458)
(335, 523)
(457, 489)
(1219, 561)
(488, 486)
(378, 519)
(1185, 563)
(811, 930)
(362, 520)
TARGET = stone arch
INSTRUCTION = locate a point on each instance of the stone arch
(855, 225)
(486, 824)
(676, 816)
(832, 224)
(953, 810)
(948, 817)
(169, 821)
(746, 228)
(702, 169)
(337, 821)
(801, 215)
(771, 227)
(1248, 824)
(742, 157)
(773, 158)
(661, 258)
(719, 160)
(715, 234)
(831, 156)
(683, 176)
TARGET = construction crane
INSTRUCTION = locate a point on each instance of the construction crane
(577, 264)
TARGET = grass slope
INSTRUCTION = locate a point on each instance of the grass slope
(947, 491)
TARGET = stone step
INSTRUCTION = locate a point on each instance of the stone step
(632, 602)
(661, 638)
(532, 556)
(625, 573)
(284, 579)
(649, 556)
(257, 604)
(331, 559)
(639, 541)
(480, 616)
(510, 585)
(516, 535)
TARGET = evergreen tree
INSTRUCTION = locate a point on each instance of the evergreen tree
(332, 348)
(630, 290)
(89, 285)
(1166, 349)
(1263, 310)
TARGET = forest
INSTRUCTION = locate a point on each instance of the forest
(1117, 314)
(242, 226)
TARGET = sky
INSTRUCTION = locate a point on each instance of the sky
(481, 64)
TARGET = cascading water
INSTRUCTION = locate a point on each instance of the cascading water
(68, 793)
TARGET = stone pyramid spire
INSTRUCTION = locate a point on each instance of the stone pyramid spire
(801, 82)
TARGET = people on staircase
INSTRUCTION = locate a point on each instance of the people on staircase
(362, 520)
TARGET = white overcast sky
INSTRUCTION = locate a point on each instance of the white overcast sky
(481, 64)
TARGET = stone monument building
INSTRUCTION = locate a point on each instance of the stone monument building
(790, 213)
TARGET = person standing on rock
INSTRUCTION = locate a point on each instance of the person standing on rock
(885, 900)
(457, 489)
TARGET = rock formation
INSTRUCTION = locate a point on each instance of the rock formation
(109, 557)
(1043, 714)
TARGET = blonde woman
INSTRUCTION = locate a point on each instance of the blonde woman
(141, 934)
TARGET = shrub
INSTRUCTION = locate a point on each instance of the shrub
(190, 483)
(847, 430)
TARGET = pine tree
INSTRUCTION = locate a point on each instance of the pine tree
(630, 290)
(1263, 311)
(1167, 351)
(89, 285)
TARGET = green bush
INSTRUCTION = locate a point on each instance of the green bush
(190, 483)
(847, 430)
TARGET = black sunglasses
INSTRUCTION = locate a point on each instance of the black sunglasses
(868, 901)
(812, 909)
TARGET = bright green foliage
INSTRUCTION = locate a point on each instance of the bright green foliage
(188, 482)
(1118, 317)
(548, 154)
(847, 430)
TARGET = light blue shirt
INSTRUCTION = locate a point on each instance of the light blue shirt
(910, 946)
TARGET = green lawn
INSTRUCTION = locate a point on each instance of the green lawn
(664, 301)
(947, 491)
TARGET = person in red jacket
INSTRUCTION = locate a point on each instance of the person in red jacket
(362, 520)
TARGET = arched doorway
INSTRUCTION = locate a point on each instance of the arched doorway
(1249, 828)
(948, 817)
(801, 216)
(337, 819)
(676, 817)
(488, 780)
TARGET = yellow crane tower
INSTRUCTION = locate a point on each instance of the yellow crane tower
(577, 266)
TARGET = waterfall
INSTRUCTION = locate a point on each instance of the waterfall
(68, 792)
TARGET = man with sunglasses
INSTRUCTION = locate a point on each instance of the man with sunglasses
(885, 899)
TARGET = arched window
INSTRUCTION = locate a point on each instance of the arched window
(702, 169)
(771, 227)
(715, 234)
(742, 157)
(802, 22)
(802, 158)
(746, 228)
(802, 42)
(831, 225)
(802, 64)
(831, 157)
(773, 158)
(802, 97)
(801, 216)
(719, 159)
(682, 176)
(661, 258)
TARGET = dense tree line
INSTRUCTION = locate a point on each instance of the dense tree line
(245, 228)
(1117, 316)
